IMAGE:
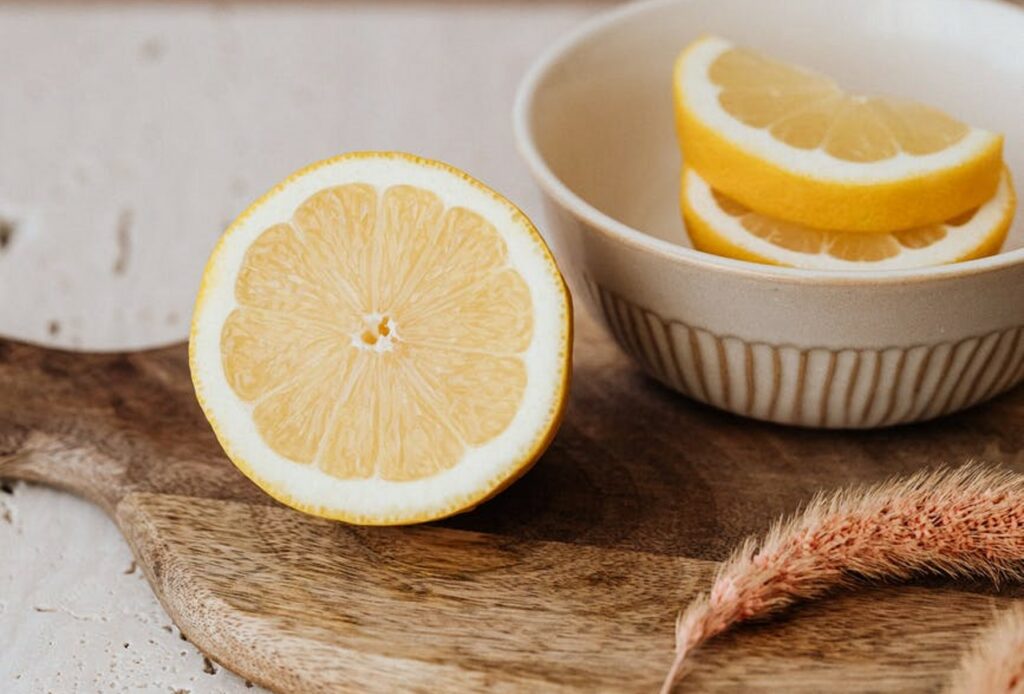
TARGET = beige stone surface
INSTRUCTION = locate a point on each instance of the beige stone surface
(76, 614)
(130, 134)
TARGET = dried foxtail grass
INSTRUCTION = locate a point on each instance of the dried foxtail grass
(963, 522)
(995, 662)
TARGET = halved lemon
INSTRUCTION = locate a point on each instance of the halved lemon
(791, 144)
(719, 224)
(382, 339)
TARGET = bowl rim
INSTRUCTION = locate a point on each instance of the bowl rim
(551, 184)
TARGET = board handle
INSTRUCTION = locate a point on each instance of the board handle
(79, 421)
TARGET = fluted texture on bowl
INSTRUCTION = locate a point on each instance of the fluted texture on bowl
(816, 386)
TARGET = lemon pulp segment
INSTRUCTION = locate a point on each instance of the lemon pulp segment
(810, 111)
(378, 334)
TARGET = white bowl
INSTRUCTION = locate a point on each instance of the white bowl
(594, 123)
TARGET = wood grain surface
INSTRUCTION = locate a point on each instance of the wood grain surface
(568, 581)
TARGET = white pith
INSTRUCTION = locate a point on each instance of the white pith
(959, 241)
(482, 468)
(700, 96)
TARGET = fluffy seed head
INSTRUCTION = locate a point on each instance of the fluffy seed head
(963, 522)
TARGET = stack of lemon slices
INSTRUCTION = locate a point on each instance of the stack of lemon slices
(784, 167)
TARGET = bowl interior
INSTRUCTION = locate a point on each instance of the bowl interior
(601, 112)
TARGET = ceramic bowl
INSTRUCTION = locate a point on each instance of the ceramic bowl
(594, 122)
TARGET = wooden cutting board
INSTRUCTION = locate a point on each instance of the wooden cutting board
(568, 581)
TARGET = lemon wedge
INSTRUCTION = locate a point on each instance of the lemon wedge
(792, 144)
(382, 339)
(719, 224)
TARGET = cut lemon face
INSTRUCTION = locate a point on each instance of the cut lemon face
(719, 224)
(382, 339)
(791, 144)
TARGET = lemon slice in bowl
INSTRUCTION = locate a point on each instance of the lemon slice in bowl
(791, 144)
(382, 339)
(719, 224)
